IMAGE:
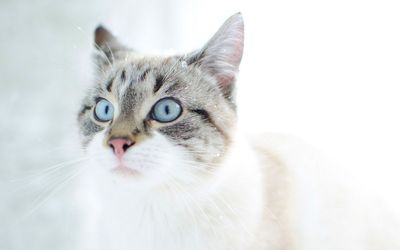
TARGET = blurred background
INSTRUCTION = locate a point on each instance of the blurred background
(325, 71)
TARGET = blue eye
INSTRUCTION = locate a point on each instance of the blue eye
(104, 111)
(166, 110)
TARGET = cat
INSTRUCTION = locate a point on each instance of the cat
(170, 168)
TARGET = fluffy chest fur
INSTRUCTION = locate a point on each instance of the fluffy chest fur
(225, 214)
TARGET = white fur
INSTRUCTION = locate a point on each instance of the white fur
(325, 209)
(174, 207)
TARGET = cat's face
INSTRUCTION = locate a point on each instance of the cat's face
(155, 120)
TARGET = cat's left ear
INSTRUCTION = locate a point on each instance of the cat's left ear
(108, 46)
(222, 54)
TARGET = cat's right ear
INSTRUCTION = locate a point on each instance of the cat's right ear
(108, 46)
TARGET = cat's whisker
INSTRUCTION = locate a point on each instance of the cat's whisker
(28, 181)
(46, 171)
(172, 69)
(60, 164)
(25, 188)
(28, 189)
(54, 187)
(52, 149)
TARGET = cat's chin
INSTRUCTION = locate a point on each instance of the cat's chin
(125, 171)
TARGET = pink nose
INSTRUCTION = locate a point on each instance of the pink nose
(120, 145)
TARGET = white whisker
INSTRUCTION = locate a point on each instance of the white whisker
(41, 199)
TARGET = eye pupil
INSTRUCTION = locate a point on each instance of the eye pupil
(167, 109)
(107, 109)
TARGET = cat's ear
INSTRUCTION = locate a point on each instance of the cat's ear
(222, 54)
(108, 46)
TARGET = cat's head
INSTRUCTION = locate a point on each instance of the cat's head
(158, 119)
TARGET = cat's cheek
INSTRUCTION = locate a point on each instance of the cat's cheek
(153, 156)
(157, 160)
(101, 158)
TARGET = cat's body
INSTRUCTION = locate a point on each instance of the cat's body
(272, 195)
(170, 169)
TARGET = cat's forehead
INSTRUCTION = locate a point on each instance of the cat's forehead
(130, 74)
(140, 81)
(137, 69)
(152, 76)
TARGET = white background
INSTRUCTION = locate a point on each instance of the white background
(325, 71)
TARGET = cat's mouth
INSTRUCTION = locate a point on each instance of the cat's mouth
(123, 170)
